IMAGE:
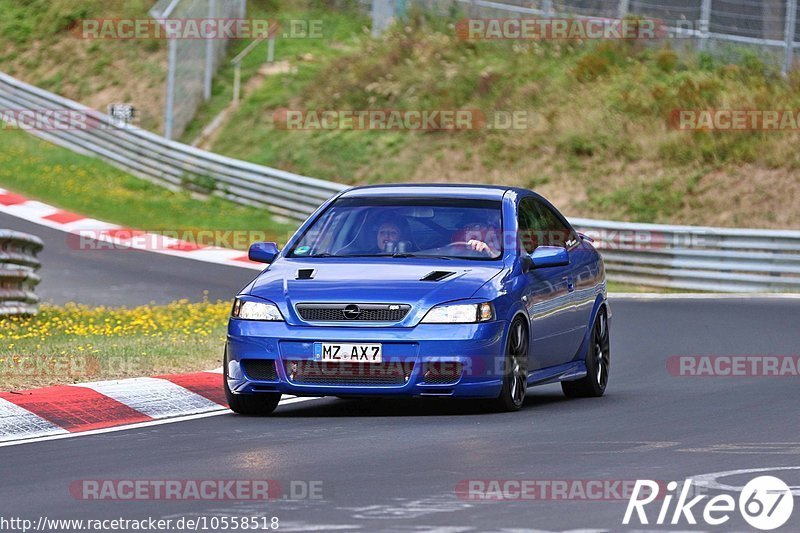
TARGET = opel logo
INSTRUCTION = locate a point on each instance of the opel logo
(351, 312)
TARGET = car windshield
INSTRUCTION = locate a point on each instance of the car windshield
(447, 228)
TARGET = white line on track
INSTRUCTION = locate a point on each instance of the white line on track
(711, 481)
(221, 411)
(701, 296)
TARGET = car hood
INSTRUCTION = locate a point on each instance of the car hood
(395, 282)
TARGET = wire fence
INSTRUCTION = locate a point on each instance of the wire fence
(192, 63)
(771, 25)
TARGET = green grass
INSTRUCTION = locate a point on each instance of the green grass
(615, 286)
(75, 343)
(26, 21)
(37, 169)
(602, 110)
(602, 144)
(40, 43)
(309, 55)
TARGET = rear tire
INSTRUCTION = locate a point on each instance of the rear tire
(598, 359)
(515, 369)
(260, 404)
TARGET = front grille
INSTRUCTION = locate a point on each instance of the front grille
(441, 373)
(330, 373)
(260, 369)
(353, 312)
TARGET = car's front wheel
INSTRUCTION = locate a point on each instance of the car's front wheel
(260, 404)
(598, 361)
(515, 371)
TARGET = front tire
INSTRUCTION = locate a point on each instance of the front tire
(515, 369)
(260, 404)
(598, 359)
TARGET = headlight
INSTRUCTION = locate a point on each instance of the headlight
(460, 314)
(246, 310)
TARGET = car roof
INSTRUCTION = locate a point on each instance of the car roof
(431, 190)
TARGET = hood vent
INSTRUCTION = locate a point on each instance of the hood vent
(305, 273)
(437, 275)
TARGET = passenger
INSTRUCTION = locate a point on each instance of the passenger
(389, 235)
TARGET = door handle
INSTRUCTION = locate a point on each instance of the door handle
(570, 283)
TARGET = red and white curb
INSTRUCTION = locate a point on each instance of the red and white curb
(88, 408)
(79, 226)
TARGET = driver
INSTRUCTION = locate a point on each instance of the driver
(475, 235)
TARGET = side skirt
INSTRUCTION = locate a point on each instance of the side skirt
(566, 372)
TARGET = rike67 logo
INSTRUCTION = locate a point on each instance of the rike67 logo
(765, 503)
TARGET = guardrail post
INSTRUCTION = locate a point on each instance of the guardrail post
(237, 82)
(169, 106)
(791, 27)
(622, 10)
(705, 24)
(271, 50)
(382, 14)
(400, 8)
(547, 7)
(208, 75)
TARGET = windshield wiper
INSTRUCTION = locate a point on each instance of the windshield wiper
(400, 255)
(405, 254)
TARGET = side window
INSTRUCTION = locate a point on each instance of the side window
(555, 233)
(539, 226)
(528, 225)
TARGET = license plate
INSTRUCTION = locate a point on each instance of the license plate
(342, 352)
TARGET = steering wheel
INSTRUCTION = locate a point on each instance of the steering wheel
(464, 245)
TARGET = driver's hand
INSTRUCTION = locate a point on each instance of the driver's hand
(480, 246)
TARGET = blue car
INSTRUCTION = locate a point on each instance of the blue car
(422, 290)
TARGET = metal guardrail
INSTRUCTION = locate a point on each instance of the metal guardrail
(170, 163)
(685, 257)
(698, 258)
(18, 279)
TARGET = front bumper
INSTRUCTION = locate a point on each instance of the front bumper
(476, 348)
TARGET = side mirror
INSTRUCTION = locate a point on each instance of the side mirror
(527, 262)
(549, 256)
(263, 252)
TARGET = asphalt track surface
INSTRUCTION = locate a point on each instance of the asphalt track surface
(394, 465)
(123, 277)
